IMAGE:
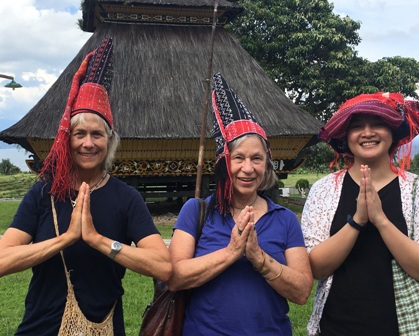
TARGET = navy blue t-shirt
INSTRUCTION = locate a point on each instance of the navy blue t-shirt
(119, 213)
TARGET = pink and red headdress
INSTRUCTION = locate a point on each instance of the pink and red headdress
(401, 115)
(88, 93)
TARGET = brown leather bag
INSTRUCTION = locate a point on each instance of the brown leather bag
(165, 314)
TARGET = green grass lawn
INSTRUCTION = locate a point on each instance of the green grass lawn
(292, 179)
(16, 186)
(138, 293)
(138, 289)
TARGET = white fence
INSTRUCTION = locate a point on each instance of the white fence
(287, 191)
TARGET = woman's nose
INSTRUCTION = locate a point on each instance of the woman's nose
(88, 142)
(367, 130)
(247, 166)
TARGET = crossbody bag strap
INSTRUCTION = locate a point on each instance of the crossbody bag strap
(202, 207)
(54, 215)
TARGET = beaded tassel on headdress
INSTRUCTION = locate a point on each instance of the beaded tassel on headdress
(412, 119)
(87, 94)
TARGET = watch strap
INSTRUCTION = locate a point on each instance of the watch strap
(354, 224)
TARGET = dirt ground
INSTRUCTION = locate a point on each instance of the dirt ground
(164, 212)
(164, 219)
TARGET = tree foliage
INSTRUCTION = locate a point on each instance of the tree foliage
(393, 74)
(302, 184)
(414, 166)
(320, 156)
(310, 52)
(302, 45)
(7, 168)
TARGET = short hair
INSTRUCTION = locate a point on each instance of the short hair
(113, 137)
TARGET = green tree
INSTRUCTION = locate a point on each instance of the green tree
(310, 52)
(305, 47)
(319, 157)
(392, 74)
(414, 166)
(302, 185)
(7, 168)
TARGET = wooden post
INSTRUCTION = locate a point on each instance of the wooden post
(205, 108)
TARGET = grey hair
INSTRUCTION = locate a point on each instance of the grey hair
(113, 137)
(270, 178)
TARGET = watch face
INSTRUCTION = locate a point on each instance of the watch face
(116, 245)
(115, 248)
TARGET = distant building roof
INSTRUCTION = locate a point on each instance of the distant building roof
(159, 79)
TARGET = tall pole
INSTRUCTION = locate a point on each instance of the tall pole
(204, 112)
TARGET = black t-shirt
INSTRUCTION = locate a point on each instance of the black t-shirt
(119, 213)
(361, 299)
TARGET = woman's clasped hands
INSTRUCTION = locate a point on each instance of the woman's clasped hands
(244, 237)
(369, 207)
(81, 224)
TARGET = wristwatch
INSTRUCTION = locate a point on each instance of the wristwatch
(115, 248)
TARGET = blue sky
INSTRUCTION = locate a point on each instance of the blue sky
(388, 27)
(45, 37)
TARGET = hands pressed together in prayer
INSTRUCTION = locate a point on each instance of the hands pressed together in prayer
(244, 240)
(368, 206)
(81, 224)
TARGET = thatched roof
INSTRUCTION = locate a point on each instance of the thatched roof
(158, 86)
(161, 56)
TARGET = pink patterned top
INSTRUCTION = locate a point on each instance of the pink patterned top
(318, 213)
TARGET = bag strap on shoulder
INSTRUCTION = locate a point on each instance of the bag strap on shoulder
(202, 207)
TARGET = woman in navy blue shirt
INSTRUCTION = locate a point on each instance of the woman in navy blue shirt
(98, 217)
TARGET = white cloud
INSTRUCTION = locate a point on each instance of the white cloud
(388, 28)
(47, 36)
(39, 39)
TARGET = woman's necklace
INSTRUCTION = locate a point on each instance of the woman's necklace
(254, 201)
(73, 203)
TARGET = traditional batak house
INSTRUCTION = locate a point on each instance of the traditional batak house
(161, 59)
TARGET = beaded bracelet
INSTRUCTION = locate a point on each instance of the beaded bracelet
(263, 263)
(278, 275)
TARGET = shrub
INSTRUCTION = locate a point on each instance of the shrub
(302, 184)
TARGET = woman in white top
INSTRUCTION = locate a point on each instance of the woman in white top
(358, 219)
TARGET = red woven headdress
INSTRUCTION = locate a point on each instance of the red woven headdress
(88, 93)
